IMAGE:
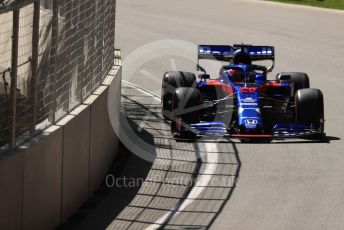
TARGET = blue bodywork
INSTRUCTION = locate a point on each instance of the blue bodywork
(249, 116)
(247, 92)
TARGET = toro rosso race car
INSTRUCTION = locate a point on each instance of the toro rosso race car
(241, 102)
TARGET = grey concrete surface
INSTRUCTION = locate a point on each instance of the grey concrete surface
(11, 187)
(43, 181)
(103, 140)
(175, 191)
(173, 188)
(282, 185)
(48, 178)
(76, 130)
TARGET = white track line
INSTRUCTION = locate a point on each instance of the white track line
(202, 181)
(174, 64)
(199, 187)
(142, 90)
(148, 74)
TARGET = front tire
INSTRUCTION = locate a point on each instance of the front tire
(186, 111)
(309, 108)
(171, 81)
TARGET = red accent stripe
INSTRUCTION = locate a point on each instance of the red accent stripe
(224, 87)
(276, 84)
(267, 85)
(214, 83)
(178, 124)
(248, 89)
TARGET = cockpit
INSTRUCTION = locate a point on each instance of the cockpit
(237, 74)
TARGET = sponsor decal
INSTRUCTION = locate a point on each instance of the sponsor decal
(252, 104)
(251, 123)
(249, 100)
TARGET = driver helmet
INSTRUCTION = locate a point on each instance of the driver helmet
(241, 58)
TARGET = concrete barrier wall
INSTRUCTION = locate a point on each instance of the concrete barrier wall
(101, 144)
(76, 160)
(11, 190)
(100, 151)
(45, 181)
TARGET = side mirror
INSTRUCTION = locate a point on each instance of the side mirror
(203, 76)
(260, 78)
(200, 68)
(283, 77)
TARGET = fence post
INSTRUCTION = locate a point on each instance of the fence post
(34, 62)
(14, 73)
(53, 53)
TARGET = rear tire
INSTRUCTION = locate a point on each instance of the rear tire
(171, 81)
(309, 108)
(300, 80)
(183, 100)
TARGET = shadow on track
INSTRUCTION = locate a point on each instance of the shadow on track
(107, 202)
(160, 202)
(166, 183)
(324, 140)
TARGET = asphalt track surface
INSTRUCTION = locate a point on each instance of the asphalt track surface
(280, 185)
(188, 183)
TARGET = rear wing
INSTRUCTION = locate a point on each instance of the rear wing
(226, 53)
(216, 52)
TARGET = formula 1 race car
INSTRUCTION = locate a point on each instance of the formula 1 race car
(241, 102)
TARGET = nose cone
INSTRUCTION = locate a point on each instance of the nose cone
(249, 117)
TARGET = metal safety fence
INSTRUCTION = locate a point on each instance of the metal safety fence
(53, 55)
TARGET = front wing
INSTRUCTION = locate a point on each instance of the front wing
(280, 131)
